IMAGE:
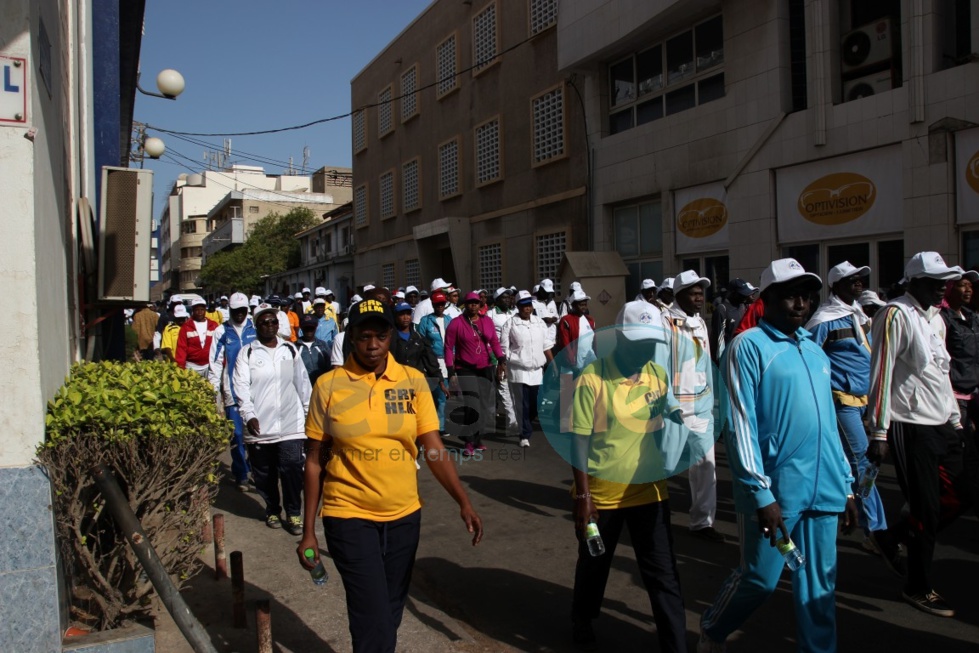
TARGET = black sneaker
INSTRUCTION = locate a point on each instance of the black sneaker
(709, 533)
(889, 551)
(584, 636)
(930, 602)
(273, 521)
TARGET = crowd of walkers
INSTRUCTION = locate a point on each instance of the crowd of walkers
(333, 408)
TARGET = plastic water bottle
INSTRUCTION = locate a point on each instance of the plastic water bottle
(594, 540)
(867, 481)
(317, 573)
(793, 556)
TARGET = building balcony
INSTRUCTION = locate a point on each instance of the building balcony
(228, 234)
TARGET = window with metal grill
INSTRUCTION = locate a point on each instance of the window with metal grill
(548, 126)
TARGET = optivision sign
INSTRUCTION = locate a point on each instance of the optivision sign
(837, 198)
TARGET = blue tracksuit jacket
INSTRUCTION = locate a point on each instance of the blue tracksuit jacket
(783, 444)
(850, 370)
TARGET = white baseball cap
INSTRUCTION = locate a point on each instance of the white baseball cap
(355, 299)
(844, 270)
(223, 297)
(500, 292)
(399, 295)
(786, 269)
(688, 279)
(536, 288)
(238, 300)
(868, 297)
(298, 295)
(320, 291)
(439, 284)
(305, 290)
(648, 283)
(180, 311)
(640, 320)
(667, 284)
(369, 286)
(575, 285)
(971, 275)
(410, 289)
(547, 285)
(318, 301)
(328, 293)
(579, 296)
(197, 301)
(264, 308)
(930, 265)
(523, 297)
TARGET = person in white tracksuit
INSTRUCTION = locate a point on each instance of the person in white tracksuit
(273, 390)
(692, 383)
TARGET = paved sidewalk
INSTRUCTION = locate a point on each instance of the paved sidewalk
(513, 592)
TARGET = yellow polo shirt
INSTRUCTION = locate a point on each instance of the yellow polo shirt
(371, 423)
(169, 338)
(622, 419)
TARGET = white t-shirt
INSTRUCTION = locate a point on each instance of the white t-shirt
(201, 331)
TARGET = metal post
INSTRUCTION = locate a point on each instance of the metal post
(220, 559)
(126, 520)
(238, 590)
(263, 625)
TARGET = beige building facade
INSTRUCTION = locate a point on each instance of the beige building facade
(727, 134)
(468, 150)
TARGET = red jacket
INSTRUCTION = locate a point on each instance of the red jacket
(752, 316)
(189, 348)
(566, 340)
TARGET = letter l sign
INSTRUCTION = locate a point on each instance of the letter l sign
(7, 86)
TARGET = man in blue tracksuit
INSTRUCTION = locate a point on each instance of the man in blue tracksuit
(227, 341)
(842, 329)
(790, 476)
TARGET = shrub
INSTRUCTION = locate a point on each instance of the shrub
(157, 429)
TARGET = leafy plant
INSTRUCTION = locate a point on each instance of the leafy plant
(156, 427)
(271, 247)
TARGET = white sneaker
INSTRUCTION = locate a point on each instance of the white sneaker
(524, 442)
(706, 645)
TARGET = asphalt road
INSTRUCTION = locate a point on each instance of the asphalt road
(513, 592)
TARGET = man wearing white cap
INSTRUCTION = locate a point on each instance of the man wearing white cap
(913, 411)
(665, 294)
(412, 297)
(545, 308)
(194, 342)
(647, 291)
(840, 327)
(424, 307)
(565, 306)
(227, 342)
(332, 304)
(790, 477)
(307, 301)
(620, 401)
(691, 375)
(171, 331)
(223, 309)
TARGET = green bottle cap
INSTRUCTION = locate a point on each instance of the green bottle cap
(310, 554)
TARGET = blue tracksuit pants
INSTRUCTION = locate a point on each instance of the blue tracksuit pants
(239, 458)
(813, 586)
(854, 437)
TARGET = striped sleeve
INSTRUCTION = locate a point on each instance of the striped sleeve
(742, 372)
(888, 333)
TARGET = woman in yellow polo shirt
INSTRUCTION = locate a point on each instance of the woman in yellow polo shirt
(364, 419)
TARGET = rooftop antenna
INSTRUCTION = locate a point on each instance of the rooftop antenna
(305, 158)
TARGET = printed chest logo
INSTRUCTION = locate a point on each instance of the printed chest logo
(701, 218)
(399, 401)
(972, 173)
(837, 198)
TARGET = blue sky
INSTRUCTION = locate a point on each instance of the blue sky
(253, 65)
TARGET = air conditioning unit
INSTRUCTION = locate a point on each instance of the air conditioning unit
(125, 233)
(868, 85)
(870, 45)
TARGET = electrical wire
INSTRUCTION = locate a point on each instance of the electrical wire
(321, 121)
(171, 156)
